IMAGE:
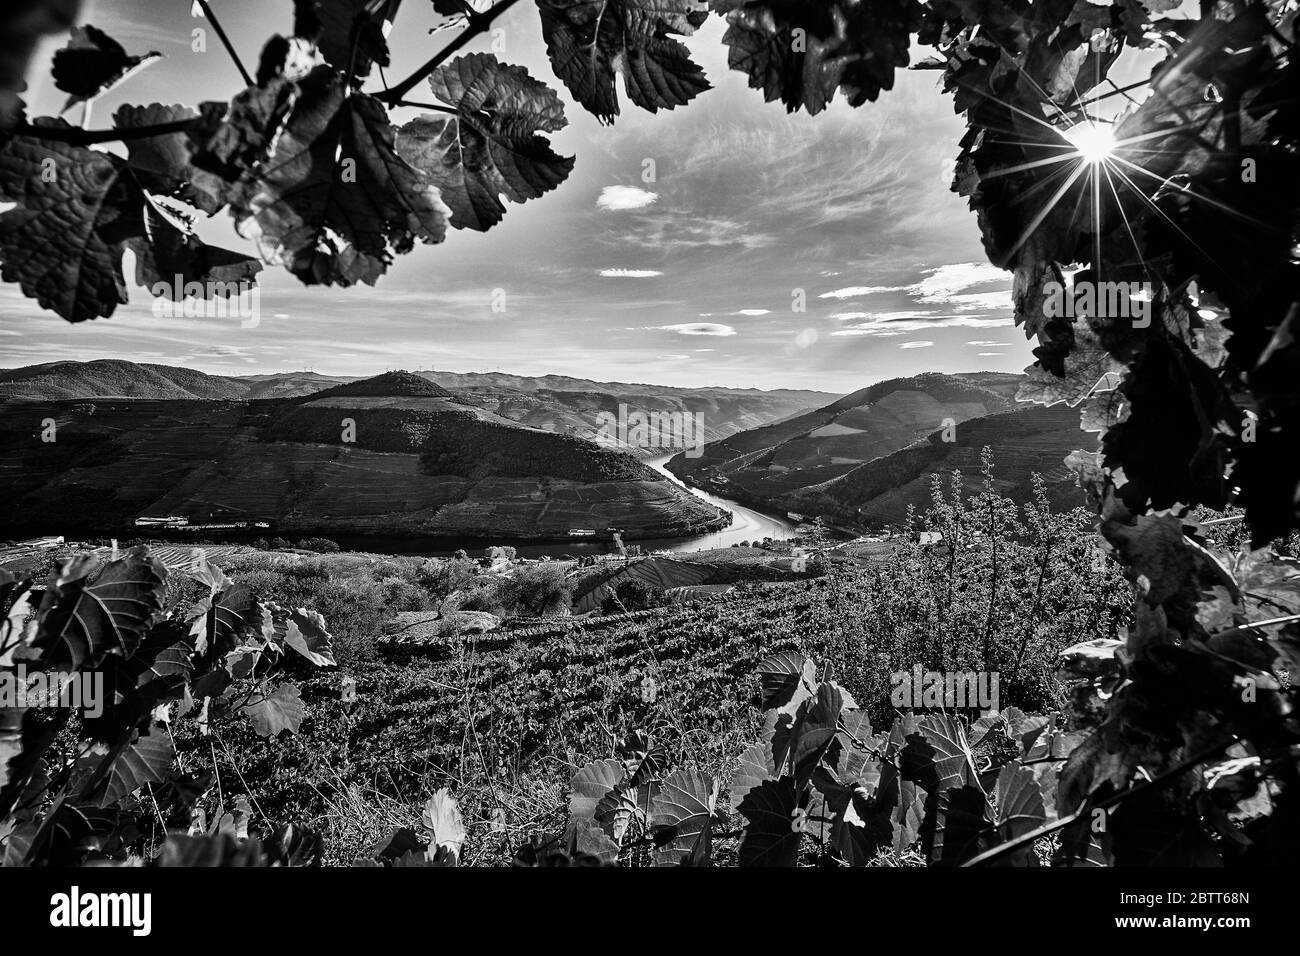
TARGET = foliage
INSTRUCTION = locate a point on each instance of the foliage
(78, 791)
(1196, 408)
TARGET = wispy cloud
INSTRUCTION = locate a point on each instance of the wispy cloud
(630, 273)
(876, 325)
(986, 344)
(916, 345)
(697, 328)
(856, 291)
(618, 198)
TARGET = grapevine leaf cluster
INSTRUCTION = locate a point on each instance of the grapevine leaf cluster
(73, 790)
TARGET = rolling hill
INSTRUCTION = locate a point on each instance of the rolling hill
(769, 464)
(865, 457)
(557, 403)
(395, 454)
(1029, 440)
(109, 378)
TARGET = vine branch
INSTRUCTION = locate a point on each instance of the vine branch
(476, 23)
(225, 41)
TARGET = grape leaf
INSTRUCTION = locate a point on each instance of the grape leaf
(22, 26)
(63, 241)
(802, 53)
(90, 611)
(623, 805)
(280, 710)
(158, 671)
(229, 140)
(335, 202)
(305, 632)
(937, 755)
(224, 617)
(172, 261)
(787, 679)
(771, 838)
(93, 63)
(590, 785)
(756, 764)
(592, 41)
(76, 212)
(1019, 809)
(146, 760)
(349, 33)
(961, 816)
(491, 147)
(680, 814)
(162, 164)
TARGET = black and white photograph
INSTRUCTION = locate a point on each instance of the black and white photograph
(636, 434)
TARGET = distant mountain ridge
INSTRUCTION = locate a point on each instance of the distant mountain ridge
(558, 403)
(394, 454)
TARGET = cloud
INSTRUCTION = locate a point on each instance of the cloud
(853, 291)
(805, 338)
(943, 282)
(991, 354)
(986, 344)
(945, 285)
(876, 323)
(916, 345)
(617, 198)
(697, 328)
(753, 312)
(629, 273)
(882, 316)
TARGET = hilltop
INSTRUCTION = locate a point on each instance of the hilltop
(368, 458)
(770, 464)
(865, 457)
(389, 384)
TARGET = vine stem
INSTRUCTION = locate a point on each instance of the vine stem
(476, 24)
(87, 137)
(225, 41)
(1156, 782)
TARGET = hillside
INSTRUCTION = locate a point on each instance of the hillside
(287, 384)
(769, 465)
(1029, 440)
(108, 378)
(557, 403)
(360, 460)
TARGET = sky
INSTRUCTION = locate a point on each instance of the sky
(688, 280)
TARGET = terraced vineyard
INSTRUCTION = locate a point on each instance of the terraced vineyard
(508, 709)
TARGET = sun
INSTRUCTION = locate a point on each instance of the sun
(1093, 142)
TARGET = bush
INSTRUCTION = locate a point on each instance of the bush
(319, 545)
(536, 590)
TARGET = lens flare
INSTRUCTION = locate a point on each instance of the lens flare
(1094, 142)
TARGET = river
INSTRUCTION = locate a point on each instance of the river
(747, 525)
